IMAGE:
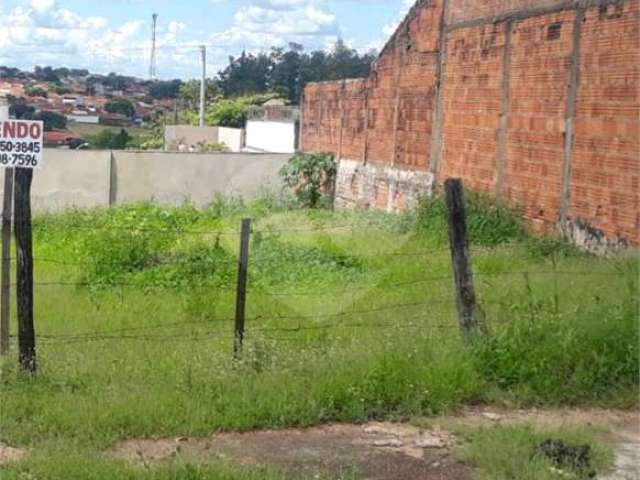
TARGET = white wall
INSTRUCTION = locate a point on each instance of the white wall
(275, 137)
(231, 137)
(92, 119)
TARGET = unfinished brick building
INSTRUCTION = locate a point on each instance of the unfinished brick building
(534, 101)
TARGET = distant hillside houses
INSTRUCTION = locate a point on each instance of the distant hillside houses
(79, 96)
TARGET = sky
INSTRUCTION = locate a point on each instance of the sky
(115, 35)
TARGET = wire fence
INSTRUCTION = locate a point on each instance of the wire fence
(407, 314)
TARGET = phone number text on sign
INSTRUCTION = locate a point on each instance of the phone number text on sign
(21, 143)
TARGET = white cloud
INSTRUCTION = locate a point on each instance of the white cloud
(391, 28)
(42, 32)
(279, 22)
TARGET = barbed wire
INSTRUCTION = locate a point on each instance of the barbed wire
(234, 231)
(116, 335)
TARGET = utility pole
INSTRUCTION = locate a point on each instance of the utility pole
(153, 64)
(469, 312)
(203, 82)
(7, 212)
(24, 269)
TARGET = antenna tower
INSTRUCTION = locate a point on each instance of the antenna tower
(153, 65)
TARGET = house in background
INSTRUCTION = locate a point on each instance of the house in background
(272, 128)
(57, 139)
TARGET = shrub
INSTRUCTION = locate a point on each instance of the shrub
(540, 356)
(35, 92)
(489, 223)
(311, 177)
(228, 113)
(52, 120)
(122, 106)
(110, 140)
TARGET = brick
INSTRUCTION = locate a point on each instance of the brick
(358, 120)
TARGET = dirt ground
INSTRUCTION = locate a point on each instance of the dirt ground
(385, 451)
(377, 451)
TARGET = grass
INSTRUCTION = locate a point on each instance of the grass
(511, 453)
(82, 129)
(75, 466)
(351, 316)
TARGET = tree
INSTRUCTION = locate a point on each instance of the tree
(246, 75)
(46, 74)
(168, 89)
(21, 111)
(60, 89)
(52, 120)
(79, 72)
(116, 82)
(35, 92)
(122, 106)
(285, 76)
(228, 113)
(345, 62)
(288, 71)
(189, 94)
(62, 72)
(110, 140)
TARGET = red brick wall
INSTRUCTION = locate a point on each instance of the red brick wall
(506, 111)
(417, 83)
(400, 92)
(353, 119)
(606, 153)
(465, 10)
(541, 51)
(471, 89)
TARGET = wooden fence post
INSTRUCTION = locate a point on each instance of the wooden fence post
(241, 294)
(468, 311)
(24, 273)
(5, 292)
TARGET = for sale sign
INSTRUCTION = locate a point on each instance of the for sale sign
(21, 143)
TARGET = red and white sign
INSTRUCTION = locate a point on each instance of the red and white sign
(21, 143)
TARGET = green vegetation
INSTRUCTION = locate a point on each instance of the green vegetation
(35, 92)
(52, 120)
(228, 112)
(350, 316)
(288, 71)
(165, 89)
(152, 138)
(71, 465)
(110, 140)
(83, 129)
(123, 106)
(311, 177)
(60, 89)
(512, 453)
(189, 94)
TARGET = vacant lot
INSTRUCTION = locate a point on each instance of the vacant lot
(350, 317)
(83, 130)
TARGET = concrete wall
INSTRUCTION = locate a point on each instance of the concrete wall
(185, 138)
(533, 101)
(233, 138)
(71, 178)
(83, 179)
(172, 178)
(277, 137)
